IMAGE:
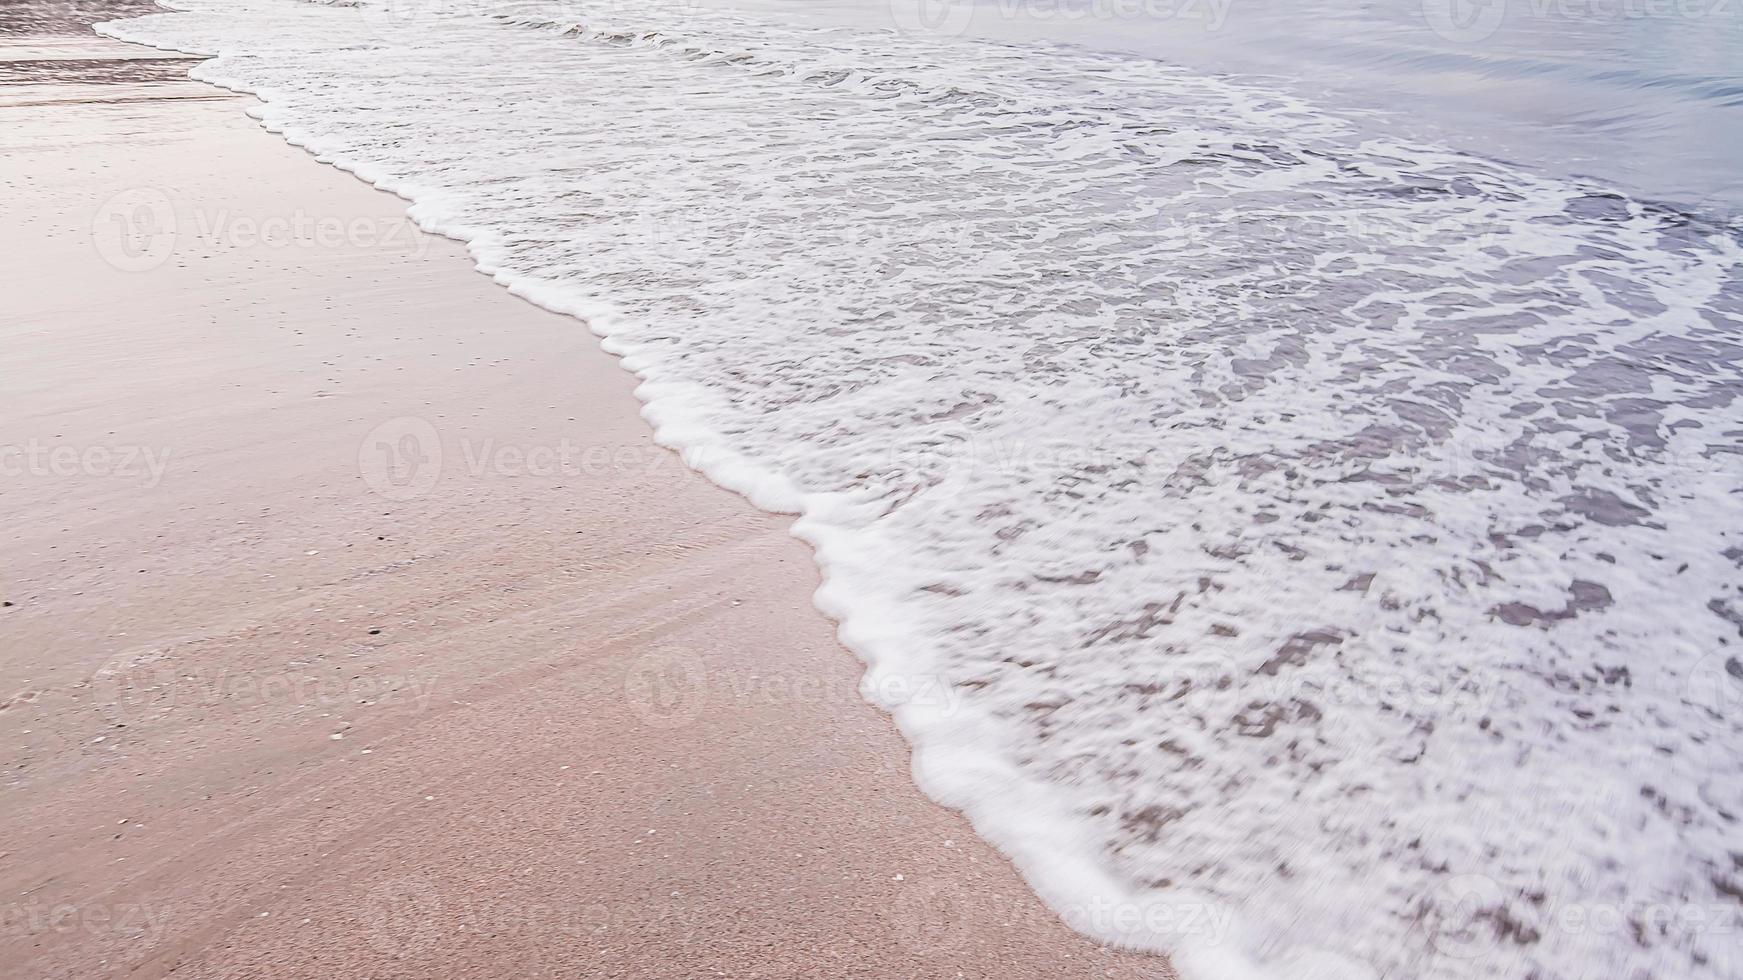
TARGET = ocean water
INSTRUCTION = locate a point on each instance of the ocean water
(1330, 538)
(1646, 95)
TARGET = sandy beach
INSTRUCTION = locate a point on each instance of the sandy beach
(355, 626)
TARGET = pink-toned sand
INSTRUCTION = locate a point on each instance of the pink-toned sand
(357, 628)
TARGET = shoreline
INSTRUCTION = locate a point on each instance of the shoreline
(1049, 856)
(337, 660)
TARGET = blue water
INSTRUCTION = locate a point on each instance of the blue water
(1635, 93)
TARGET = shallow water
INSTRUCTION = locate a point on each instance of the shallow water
(1330, 540)
(1643, 94)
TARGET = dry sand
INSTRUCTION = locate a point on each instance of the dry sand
(357, 628)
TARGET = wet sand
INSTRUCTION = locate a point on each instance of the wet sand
(355, 626)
